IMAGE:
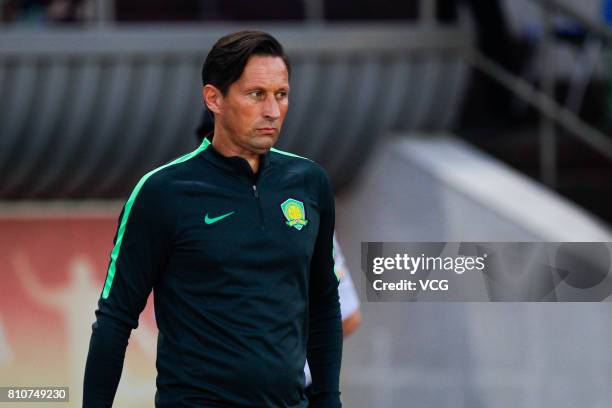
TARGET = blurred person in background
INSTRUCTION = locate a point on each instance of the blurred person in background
(78, 291)
(236, 238)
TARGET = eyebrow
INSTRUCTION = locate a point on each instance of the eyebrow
(258, 86)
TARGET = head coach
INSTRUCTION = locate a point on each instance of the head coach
(235, 240)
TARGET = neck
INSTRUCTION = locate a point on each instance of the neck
(224, 146)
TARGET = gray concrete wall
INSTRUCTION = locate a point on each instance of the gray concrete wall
(471, 355)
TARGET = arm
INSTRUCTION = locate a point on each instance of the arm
(324, 351)
(351, 324)
(137, 259)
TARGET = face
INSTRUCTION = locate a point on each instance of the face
(253, 110)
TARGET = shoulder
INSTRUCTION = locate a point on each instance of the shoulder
(310, 175)
(159, 179)
(156, 186)
(294, 163)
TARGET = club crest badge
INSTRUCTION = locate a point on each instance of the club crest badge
(294, 213)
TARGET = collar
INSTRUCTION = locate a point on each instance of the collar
(234, 164)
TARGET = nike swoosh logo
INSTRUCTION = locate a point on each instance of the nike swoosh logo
(215, 219)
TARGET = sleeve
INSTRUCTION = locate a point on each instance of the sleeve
(324, 352)
(137, 259)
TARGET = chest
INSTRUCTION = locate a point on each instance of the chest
(238, 225)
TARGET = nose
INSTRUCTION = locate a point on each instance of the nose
(271, 108)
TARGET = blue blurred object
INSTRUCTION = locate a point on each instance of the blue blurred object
(606, 11)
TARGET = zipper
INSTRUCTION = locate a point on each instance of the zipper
(261, 219)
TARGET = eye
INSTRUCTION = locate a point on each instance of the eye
(282, 95)
(257, 94)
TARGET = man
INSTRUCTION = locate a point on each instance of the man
(235, 239)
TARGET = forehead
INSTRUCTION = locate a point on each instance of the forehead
(264, 71)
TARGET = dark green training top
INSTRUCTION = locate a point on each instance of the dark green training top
(243, 278)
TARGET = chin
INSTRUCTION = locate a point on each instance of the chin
(264, 143)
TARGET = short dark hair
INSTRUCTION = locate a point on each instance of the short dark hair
(226, 60)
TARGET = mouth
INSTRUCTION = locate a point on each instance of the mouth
(267, 130)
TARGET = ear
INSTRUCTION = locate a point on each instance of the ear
(213, 98)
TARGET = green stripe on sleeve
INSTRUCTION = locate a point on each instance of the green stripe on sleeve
(126, 213)
(336, 272)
